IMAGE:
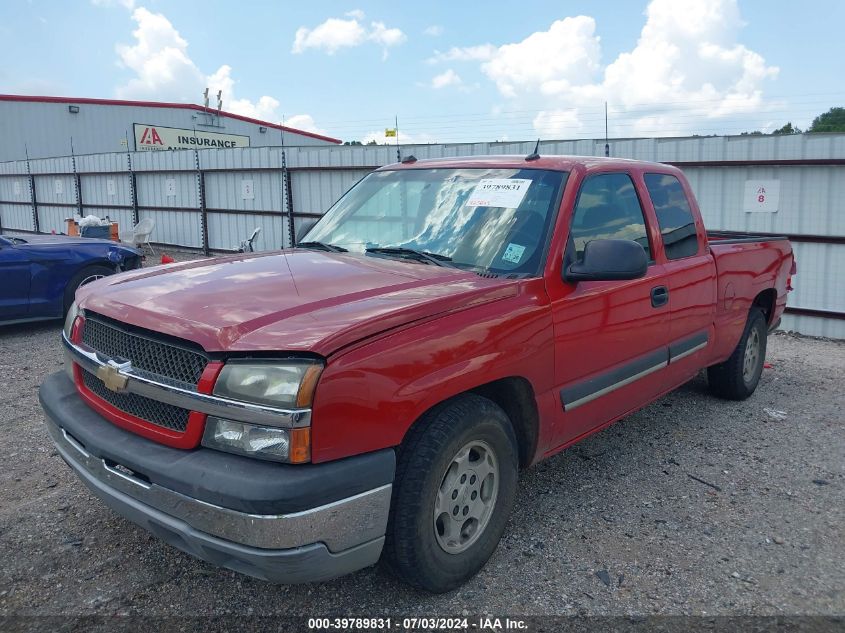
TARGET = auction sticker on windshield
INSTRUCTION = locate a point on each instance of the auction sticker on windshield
(499, 192)
(513, 253)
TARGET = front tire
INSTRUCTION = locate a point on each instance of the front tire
(84, 276)
(453, 493)
(737, 377)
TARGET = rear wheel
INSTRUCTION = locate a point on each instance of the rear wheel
(454, 489)
(737, 377)
(84, 276)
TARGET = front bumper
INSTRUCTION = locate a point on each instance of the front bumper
(201, 501)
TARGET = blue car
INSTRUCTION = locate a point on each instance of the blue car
(39, 274)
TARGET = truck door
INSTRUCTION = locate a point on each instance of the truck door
(611, 337)
(690, 273)
(15, 275)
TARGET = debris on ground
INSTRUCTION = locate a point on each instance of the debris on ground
(775, 414)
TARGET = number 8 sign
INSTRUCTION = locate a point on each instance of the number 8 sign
(761, 196)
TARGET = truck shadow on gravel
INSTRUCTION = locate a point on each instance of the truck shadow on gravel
(653, 514)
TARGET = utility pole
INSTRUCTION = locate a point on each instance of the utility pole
(606, 144)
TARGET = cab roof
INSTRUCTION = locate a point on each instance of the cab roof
(517, 161)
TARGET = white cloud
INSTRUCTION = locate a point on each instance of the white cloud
(331, 36)
(482, 52)
(386, 37)
(163, 71)
(337, 33)
(304, 122)
(447, 78)
(687, 58)
(568, 53)
(159, 59)
(404, 139)
(687, 53)
(435, 30)
(558, 123)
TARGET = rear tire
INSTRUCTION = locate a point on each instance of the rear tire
(84, 276)
(737, 377)
(453, 493)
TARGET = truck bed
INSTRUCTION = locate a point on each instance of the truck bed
(747, 266)
(738, 237)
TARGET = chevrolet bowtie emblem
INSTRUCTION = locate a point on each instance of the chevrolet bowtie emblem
(112, 378)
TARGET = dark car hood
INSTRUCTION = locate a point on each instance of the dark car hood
(60, 240)
(297, 300)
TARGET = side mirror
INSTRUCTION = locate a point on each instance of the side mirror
(303, 229)
(609, 260)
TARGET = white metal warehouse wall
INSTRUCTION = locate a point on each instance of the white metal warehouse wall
(197, 198)
(41, 127)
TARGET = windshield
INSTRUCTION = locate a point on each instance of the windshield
(495, 220)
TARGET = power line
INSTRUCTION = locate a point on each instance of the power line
(629, 107)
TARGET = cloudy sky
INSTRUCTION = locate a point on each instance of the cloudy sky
(451, 71)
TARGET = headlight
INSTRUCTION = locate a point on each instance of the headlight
(70, 319)
(282, 384)
(263, 442)
(72, 313)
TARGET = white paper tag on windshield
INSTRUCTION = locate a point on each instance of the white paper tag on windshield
(499, 192)
(513, 253)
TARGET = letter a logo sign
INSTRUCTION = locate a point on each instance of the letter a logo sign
(151, 137)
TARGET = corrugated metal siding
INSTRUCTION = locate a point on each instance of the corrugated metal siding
(223, 190)
(818, 266)
(809, 199)
(17, 217)
(49, 129)
(812, 197)
(226, 230)
(813, 326)
(315, 192)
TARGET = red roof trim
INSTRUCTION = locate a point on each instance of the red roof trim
(159, 104)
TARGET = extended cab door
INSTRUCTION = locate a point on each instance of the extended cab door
(611, 337)
(690, 272)
(15, 276)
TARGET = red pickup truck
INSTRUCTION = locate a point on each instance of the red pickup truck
(373, 392)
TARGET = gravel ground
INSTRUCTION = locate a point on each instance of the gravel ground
(691, 506)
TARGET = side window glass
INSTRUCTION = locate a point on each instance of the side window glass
(674, 215)
(608, 208)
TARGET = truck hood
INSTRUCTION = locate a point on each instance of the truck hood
(296, 300)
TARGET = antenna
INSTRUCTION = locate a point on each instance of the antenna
(219, 101)
(205, 98)
(536, 153)
(606, 144)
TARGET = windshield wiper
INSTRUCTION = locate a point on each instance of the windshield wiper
(323, 246)
(424, 256)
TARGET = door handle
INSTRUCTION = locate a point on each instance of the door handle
(659, 296)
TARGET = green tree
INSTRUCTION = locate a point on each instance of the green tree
(787, 129)
(353, 143)
(831, 121)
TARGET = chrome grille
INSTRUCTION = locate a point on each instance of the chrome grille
(153, 411)
(151, 358)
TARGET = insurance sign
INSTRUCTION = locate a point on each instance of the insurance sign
(157, 137)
